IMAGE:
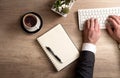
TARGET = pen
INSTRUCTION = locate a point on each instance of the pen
(49, 49)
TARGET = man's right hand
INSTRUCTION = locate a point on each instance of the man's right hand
(113, 27)
(91, 32)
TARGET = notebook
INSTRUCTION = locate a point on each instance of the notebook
(63, 50)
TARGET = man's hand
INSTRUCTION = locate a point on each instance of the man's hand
(91, 32)
(113, 27)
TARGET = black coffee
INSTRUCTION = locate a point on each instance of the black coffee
(30, 21)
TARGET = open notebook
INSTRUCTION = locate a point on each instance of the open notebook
(58, 47)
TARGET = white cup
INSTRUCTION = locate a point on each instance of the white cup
(31, 22)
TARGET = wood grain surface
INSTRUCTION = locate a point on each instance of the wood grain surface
(22, 57)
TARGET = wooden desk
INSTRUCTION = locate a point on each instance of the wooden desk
(22, 57)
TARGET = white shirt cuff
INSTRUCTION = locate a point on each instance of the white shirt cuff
(89, 47)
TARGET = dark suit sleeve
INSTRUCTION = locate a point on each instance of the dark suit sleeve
(85, 65)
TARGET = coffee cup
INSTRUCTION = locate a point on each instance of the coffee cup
(31, 22)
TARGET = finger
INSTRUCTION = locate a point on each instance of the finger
(116, 18)
(109, 30)
(113, 22)
(85, 25)
(88, 24)
(92, 23)
(96, 25)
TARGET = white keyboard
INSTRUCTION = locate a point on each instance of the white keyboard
(100, 13)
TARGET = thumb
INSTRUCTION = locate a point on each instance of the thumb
(109, 30)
